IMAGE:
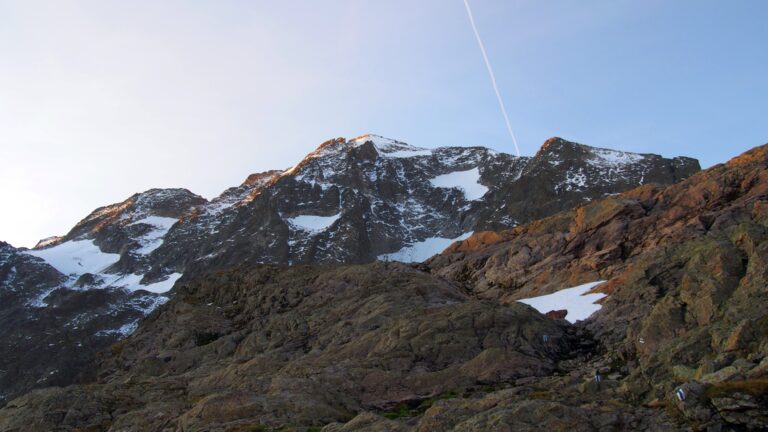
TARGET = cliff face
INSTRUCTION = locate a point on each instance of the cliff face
(564, 174)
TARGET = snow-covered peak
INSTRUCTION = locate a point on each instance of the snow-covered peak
(49, 241)
(387, 147)
(375, 139)
(335, 148)
(153, 202)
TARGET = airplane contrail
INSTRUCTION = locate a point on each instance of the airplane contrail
(493, 77)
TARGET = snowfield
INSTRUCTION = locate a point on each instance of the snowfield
(313, 223)
(576, 301)
(422, 250)
(391, 148)
(468, 181)
(158, 287)
(76, 257)
(131, 282)
(614, 157)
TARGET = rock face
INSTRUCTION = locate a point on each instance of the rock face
(679, 344)
(564, 174)
(76, 295)
(349, 201)
(301, 346)
(48, 332)
(353, 201)
(686, 284)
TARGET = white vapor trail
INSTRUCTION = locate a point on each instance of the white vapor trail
(493, 77)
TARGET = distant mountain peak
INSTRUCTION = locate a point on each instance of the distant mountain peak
(383, 145)
(376, 139)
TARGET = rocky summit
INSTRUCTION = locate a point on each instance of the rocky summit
(294, 306)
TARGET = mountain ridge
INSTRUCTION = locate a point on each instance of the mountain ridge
(349, 201)
(679, 342)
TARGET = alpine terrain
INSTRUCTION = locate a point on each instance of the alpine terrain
(581, 289)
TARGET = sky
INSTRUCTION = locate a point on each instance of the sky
(101, 99)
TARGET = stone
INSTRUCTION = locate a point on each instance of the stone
(557, 314)
(682, 373)
(742, 409)
(728, 373)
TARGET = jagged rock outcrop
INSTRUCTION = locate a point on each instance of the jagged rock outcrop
(564, 174)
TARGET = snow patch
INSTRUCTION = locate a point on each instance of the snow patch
(76, 257)
(390, 148)
(423, 250)
(153, 239)
(217, 207)
(607, 158)
(162, 286)
(576, 301)
(616, 156)
(574, 180)
(406, 153)
(132, 282)
(158, 222)
(468, 181)
(145, 305)
(313, 223)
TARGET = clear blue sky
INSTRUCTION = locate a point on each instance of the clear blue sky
(100, 99)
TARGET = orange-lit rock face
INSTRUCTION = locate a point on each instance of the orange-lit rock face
(686, 265)
(755, 155)
(476, 241)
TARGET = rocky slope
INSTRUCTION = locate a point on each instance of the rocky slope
(78, 294)
(349, 201)
(49, 333)
(686, 285)
(679, 344)
(300, 346)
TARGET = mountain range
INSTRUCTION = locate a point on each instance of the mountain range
(312, 297)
